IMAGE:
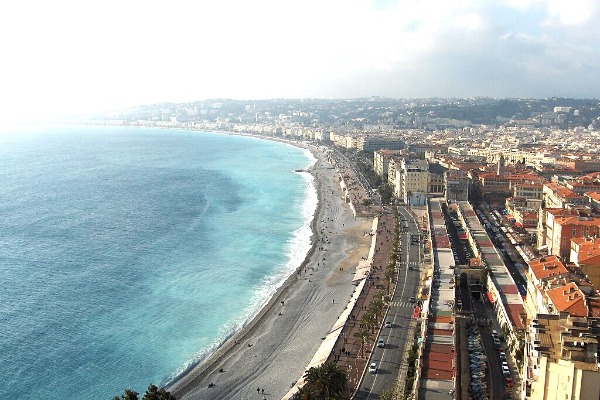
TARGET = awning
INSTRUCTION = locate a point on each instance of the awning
(518, 224)
(490, 298)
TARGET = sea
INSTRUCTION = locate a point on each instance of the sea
(129, 254)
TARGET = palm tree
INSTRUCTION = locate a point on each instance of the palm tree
(362, 335)
(376, 306)
(390, 274)
(327, 381)
(369, 319)
(304, 393)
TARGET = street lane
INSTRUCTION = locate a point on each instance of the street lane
(398, 338)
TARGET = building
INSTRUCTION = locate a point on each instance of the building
(381, 161)
(436, 180)
(528, 190)
(585, 254)
(568, 227)
(541, 273)
(414, 181)
(562, 358)
(457, 185)
(374, 142)
(546, 224)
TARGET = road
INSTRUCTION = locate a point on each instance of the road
(398, 338)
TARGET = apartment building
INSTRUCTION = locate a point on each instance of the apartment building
(541, 274)
(528, 190)
(594, 200)
(561, 358)
(381, 161)
(585, 254)
(414, 181)
(457, 185)
(568, 227)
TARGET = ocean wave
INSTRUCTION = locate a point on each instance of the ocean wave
(297, 248)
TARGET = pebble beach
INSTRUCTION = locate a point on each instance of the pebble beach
(270, 354)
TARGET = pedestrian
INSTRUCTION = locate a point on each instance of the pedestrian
(257, 390)
(262, 391)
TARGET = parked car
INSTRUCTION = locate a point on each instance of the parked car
(388, 324)
(380, 343)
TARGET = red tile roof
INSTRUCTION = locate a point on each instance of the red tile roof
(570, 299)
(547, 267)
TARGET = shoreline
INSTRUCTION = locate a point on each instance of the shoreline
(297, 336)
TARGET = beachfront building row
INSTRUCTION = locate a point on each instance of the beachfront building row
(413, 179)
(367, 142)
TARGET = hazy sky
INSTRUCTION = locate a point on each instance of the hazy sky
(59, 56)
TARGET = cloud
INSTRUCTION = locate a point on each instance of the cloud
(66, 56)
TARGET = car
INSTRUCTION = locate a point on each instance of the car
(502, 356)
(496, 342)
(373, 368)
(380, 343)
(505, 371)
(412, 300)
(388, 324)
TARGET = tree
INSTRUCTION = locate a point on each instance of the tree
(390, 274)
(152, 393)
(386, 192)
(362, 335)
(326, 382)
(369, 319)
(377, 306)
(155, 393)
(128, 395)
(304, 393)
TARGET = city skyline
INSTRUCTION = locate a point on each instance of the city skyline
(68, 57)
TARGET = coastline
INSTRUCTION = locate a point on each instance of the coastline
(274, 348)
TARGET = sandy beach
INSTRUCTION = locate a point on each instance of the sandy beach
(273, 351)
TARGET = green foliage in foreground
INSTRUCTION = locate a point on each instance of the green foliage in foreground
(325, 382)
(152, 393)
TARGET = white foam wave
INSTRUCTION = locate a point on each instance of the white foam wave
(297, 248)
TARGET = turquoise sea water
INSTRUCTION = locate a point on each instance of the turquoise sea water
(129, 254)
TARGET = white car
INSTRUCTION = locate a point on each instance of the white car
(388, 324)
(380, 343)
(373, 368)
